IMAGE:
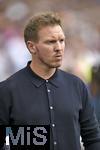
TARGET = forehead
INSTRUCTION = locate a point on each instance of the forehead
(51, 32)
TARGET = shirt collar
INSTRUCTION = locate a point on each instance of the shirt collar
(38, 81)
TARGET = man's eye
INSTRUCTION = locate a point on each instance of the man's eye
(62, 40)
(52, 41)
(55, 41)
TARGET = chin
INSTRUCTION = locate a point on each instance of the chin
(56, 65)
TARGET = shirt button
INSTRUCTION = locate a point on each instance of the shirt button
(51, 107)
(48, 91)
(55, 143)
(53, 125)
(46, 80)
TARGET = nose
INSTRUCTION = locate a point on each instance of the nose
(58, 46)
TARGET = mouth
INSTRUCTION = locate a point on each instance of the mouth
(58, 57)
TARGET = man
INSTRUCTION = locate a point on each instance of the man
(42, 94)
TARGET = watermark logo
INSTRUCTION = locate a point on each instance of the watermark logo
(33, 137)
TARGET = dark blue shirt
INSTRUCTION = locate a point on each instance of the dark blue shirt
(62, 102)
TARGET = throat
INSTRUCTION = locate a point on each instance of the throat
(43, 72)
(47, 75)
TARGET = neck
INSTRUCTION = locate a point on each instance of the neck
(42, 71)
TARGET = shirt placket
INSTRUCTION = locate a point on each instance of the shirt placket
(52, 109)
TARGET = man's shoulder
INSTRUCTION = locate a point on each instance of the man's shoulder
(71, 79)
(69, 76)
(73, 82)
(13, 79)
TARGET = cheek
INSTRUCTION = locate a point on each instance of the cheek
(48, 54)
(63, 46)
(47, 51)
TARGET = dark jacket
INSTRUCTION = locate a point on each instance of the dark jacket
(62, 102)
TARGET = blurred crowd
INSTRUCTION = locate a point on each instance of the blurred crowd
(95, 89)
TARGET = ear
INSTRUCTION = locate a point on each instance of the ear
(31, 47)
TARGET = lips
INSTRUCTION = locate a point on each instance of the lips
(59, 55)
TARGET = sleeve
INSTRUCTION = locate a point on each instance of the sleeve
(89, 126)
(4, 104)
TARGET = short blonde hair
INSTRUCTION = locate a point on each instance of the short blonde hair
(37, 22)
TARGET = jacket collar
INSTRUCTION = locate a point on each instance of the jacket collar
(38, 81)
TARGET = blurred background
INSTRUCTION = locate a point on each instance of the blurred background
(81, 21)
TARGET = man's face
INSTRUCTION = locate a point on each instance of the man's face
(50, 46)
